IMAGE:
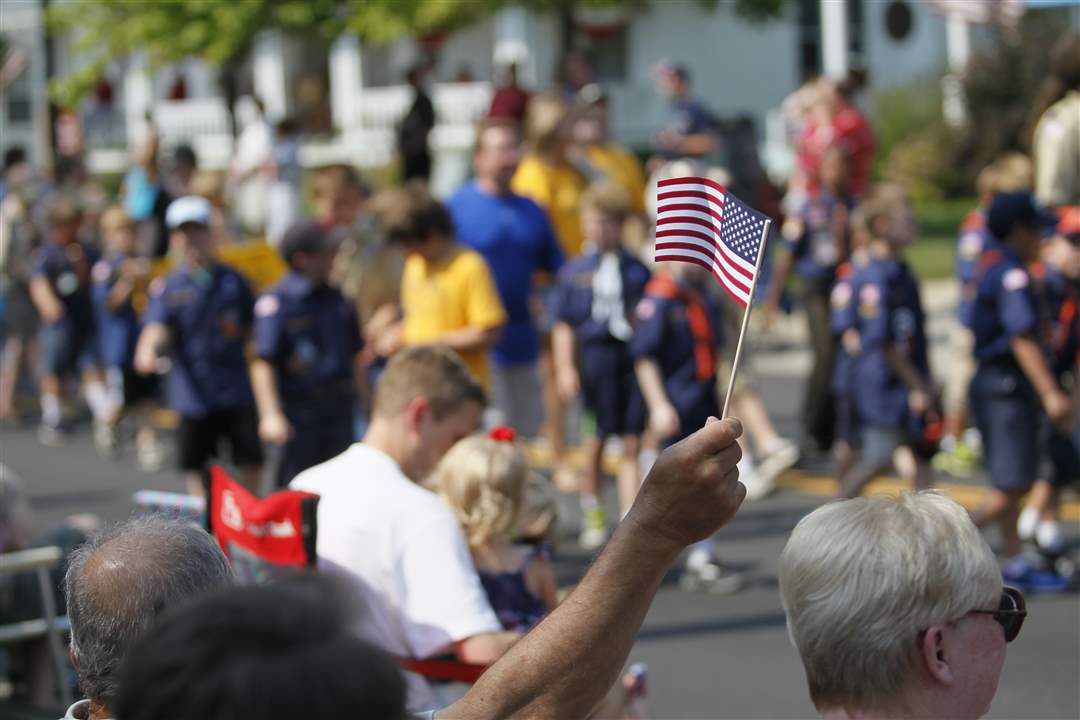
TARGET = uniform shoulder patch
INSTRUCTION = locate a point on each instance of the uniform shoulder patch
(841, 295)
(971, 244)
(101, 271)
(646, 308)
(1015, 279)
(870, 294)
(267, 306)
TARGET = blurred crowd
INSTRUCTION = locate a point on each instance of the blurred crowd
(287, 314)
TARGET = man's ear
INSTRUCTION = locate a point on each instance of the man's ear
(416, 412)
(935, 657)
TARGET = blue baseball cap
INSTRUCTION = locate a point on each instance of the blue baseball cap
(1007, 210)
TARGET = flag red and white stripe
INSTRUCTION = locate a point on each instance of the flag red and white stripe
(698, 221)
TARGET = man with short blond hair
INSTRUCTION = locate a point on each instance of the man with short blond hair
(396, 545)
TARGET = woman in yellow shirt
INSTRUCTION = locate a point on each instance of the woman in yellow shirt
(546, 176)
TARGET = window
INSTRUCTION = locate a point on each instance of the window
(810, 64)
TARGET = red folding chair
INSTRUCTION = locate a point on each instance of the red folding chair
(266, 536)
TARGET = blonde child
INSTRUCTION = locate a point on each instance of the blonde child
(482, 480)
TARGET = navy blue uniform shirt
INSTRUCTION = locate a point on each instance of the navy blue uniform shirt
(662, 332)
(1004, 304)
(67, 269)
(118, 329)
(310, 335)
(817, 251)
(1060, 319)
(889, 315)
(209, 314)
(973, 239)
(843, 317)
(576, 303)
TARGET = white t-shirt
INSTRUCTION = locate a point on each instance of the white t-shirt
(402, 551)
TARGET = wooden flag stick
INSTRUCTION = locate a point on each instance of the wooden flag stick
(745, 319)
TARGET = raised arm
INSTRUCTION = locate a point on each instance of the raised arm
(564, 667)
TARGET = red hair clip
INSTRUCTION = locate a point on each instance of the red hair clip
(502, 433)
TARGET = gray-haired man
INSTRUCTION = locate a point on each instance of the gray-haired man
(118, 582)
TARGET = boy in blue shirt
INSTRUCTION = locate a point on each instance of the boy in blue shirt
(116, 277)
(590, 339)
(201, 315)
(678, 333)
(882, 326)
(307, 343)
(60, 289)
(1013, 382)
(817, 242)
(1058, 283)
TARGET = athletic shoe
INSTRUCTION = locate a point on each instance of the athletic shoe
(757, 485)
(783, 455)
(711, 577)
(961, 461)
(1049, 538)
(105, 441)
(50, 436)
(1023, 574)
(594, 532)
(1027, 523)
(150, 458)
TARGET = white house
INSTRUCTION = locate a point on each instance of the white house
(354, 94)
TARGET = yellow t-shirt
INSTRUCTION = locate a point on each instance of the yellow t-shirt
(557, 189)
(622, 168)
(453, 293)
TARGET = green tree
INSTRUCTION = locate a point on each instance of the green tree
(223, 31)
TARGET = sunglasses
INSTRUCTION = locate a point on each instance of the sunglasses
(1010, 612)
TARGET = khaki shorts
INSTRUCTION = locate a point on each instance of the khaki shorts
(959, 370)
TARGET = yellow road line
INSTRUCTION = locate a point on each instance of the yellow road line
(970, 496)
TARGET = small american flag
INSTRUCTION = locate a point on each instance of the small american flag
(698, 221)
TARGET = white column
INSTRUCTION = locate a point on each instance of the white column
(958, 51)
(346, 81)
(957, 42)
(138, 98)
(512, 43)
(268, 65)
(834, 38)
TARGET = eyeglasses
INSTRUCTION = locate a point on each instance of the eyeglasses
(1010, 613)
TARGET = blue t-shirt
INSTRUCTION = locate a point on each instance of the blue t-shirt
(888, 315)
(310, 335)
(118, 328)
(575, 303)
(1004, 304)
(67, 269)
(209, 313)
(515, 237)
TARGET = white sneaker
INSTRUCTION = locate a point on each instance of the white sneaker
(1050, 538)
(149, 458)
(105, 440)
(780, 457)
(711, 577)
(758, 487)
(1027, 524)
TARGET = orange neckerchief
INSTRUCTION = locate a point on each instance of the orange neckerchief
(664, 286)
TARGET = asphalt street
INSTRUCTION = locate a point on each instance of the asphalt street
(708, 656)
